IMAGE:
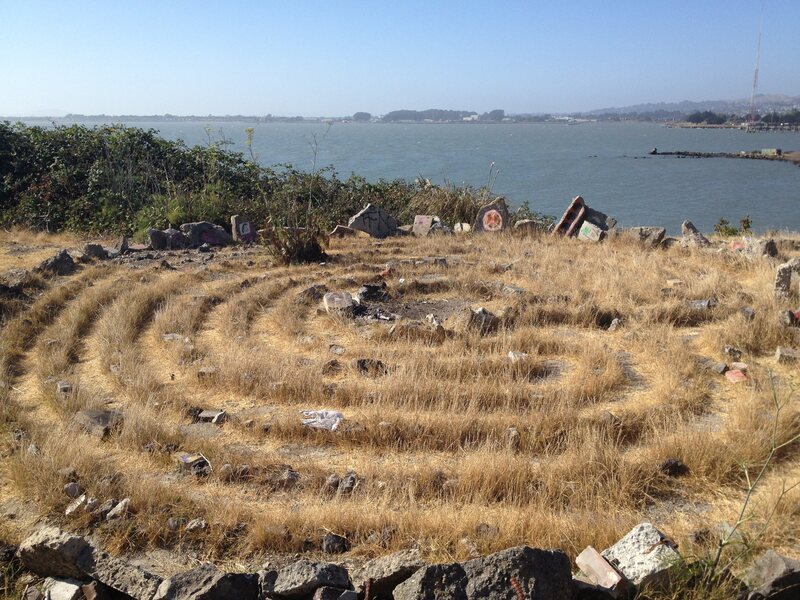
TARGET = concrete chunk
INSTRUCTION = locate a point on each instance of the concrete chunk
(644, 555)
(601, 572)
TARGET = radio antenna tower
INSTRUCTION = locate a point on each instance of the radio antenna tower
(752, 117)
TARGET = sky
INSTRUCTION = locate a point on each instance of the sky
(336, 57)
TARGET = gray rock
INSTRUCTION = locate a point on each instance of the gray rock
(386, 573)
(99, 422)
(338, 303)
(197, 524)
(436, 582)
(158, 239)
(647, 236)
(60, 264)
(775, 577)
(119, 574)
(330, 593)
(95, 251)
(52, 552)
(312, 294)
(692, 236)
(375, 221)
(786, 355)
(101, 512)
(783, 277)
(492, 217)
(531, 226)
(120, 510)
(787, 318)
(540, 574)
(644, 555)
(334, 544)
(62, 589)
(303, 578)
(749, 314)
(207, 583)
(73, 489)
(203, 232)
(756, 248)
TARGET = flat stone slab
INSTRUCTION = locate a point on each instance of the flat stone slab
(375, 221)
(98, 422)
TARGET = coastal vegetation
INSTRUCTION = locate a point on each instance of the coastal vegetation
(113, 178)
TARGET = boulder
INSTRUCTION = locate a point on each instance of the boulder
(331, 593)
(158, 239)
(121, 509)
(775, 577)
(757, 247)
(311, 294)
(204, 232)
(647, 236)
(492, 217)
(644, 555)
(334, 544)
(375, 221)
(118, 574)
(99, 422)
(302, 578)
(52, 552)
(786, 355)
(437, 582)
(481, 321)
(692, 236)
(342, 231)
(176, 240)
(207, 583)
(60, 264)
(62, 589)
(539, 575)
(386, 573)
(340, 303)
(95, 251)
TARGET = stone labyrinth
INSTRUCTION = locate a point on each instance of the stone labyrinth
(211, 401)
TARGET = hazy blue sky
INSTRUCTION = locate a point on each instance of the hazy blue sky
(295, 57)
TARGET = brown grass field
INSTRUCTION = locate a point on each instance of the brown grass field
(430, 436)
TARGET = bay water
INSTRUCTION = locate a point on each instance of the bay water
(545, 165)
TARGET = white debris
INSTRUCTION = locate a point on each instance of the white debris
(322, 419)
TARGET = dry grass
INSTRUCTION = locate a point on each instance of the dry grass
(595, 411)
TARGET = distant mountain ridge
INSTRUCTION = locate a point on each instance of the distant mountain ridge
(763, 102)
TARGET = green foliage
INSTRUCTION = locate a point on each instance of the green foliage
(708, 117)
(125, 180)
(362, 116)
(724, 227)
(292, 245)
(525, 212)
(792, 117)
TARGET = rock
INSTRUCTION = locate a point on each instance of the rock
(198, 524)
(204, 248)
(73, 489)
(175, 523)
(332, 367)
(207, 583)
(195, 464)
(60, 264)
(423, 224)
(206, 373)
(512, 439)
(371, 367)
(75, 505)
(242, 230)
(64, 388)
(616, 323)
(338, 303)
(774, 576)
(158, 239)
(373, 292)
(515, 356)
(787, 318)
(302, 578)
(644, 555)
(647, 236)
(349, 483)
(375, 221)
(756, 248)
(119, 574)
(101, 511)
(747, 313)
(337, 349)
(674, 467)
(386, 573)
(52, 552)
(31, 593)
(692, 236)
(540, 575)
(786, 355)
(481, 321)
(530, 227)
(736, 376)
(342, 231)
(492, 217)
(97, 422)
(95, 251)
(218, 417)
(330, 593)
(311, 294)
(62, 589)
(601, 572)
(436, 582)
(204, 232)
(783, 277)
(122, 246)
(717, 367)
(334, 544)
(120, 510)
(704, 304)
(462, 228)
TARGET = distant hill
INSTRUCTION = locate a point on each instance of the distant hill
(764, 103)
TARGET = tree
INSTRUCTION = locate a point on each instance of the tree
(362, 116)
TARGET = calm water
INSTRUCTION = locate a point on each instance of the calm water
(547, 165)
